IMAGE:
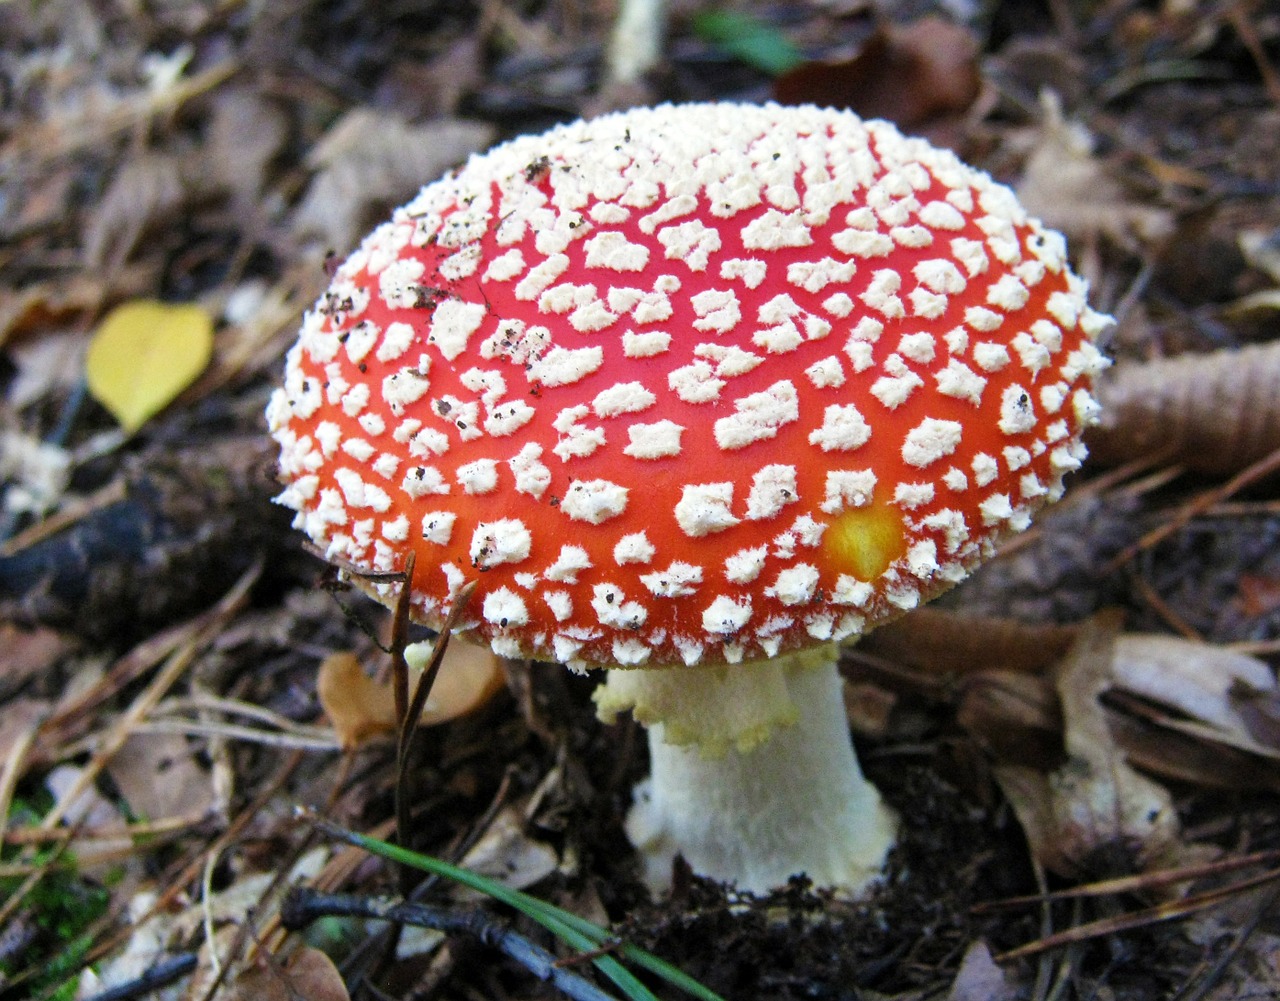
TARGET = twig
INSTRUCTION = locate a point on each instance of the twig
(1199, 989)
(165, 972)
(1210, 498)
(310, 739)
(409, 710)
(399, 639)
(1139, 919)
(303, 906)
(1241, 21)
(1134, 884)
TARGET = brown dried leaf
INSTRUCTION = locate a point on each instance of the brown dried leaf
(1260, 713)
(67, 299)
(1198, 760)
(1195, 679)
(942, 642)
(361, 707)
(45, 365)
(370, 160)
(908, 74)
(246, 132)
(506, 853)
(1100, 799)
(1095, 803)
(1071, 190)
(979, 978)
(159, 777)
(1015, 717)
(358, 707)
(144, 192)
(26, 654)
(308, 976)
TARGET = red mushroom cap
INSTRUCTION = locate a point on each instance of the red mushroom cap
(689, 384)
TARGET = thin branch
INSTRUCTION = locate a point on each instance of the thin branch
(303, 906)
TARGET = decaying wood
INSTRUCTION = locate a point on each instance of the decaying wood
(1213, 413)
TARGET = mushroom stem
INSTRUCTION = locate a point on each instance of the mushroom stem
(756, 811)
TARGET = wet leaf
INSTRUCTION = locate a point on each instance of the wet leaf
(144, 354)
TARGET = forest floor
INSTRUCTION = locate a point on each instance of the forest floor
(163, 746)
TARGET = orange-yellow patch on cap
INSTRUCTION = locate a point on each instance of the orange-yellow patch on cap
(864, 541)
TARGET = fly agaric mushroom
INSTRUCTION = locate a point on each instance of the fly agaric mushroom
(696, 393)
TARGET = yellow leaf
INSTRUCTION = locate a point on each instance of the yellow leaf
(360, 707)
(144, 354)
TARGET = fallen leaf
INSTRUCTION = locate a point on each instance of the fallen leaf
(145, 192)
(26, 654)
(1069, 189)
(144, 354)
(1258, 595)
(506, 853)
(68, 300)
(1194, 759)
(246, 132)
(1196, 679)
(309, 975)
(370, 160)
(979, 978)
(159, 777)
(361, 707)
(940, 642)
(358, 706)
(910, 75)
(1100, 799)
(1095, 805)
(1015, 717)
(45, 364)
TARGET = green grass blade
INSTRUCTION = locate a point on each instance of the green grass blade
(641, 957)
(576, 931)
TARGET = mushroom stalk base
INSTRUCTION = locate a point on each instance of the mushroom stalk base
(795, 803)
